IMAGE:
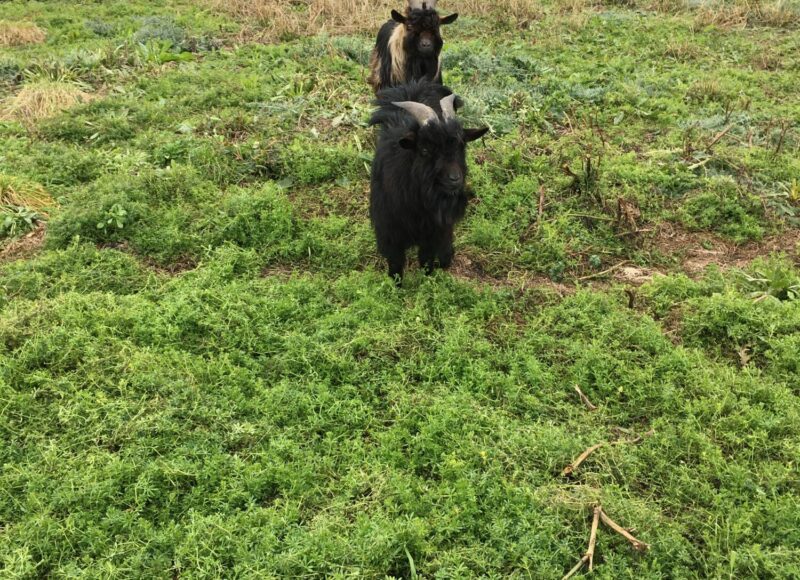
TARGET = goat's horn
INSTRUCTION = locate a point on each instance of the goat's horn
(422, 113)
(448, 111)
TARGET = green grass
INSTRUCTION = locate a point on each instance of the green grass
(204, 371)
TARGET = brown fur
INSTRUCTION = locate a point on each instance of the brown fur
(398, 54)
(374, 78)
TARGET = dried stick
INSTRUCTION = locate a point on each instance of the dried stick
(637, 544)
(719, 136)
(784, 129)
(585, 399)
(581, 458)
(604, 272)
(593, 536)
(541, 207)
(575, 568)
(589, 555)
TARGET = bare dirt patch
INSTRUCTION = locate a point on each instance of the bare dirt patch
(23, 247)
(465, 268)
(698, 250)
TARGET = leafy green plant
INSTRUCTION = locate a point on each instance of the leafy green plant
(114, 218)
(774, 278)
(10, 72)
(158, 52)
(15, 220)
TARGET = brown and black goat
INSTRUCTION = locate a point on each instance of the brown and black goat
(409, 47)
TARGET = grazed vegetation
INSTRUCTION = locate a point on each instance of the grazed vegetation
(205, 372)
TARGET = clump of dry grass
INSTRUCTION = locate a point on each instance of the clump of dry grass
(744, 13)
(682, 50)
(766, 61)
(22, 193)
(730, 13)
(19, 33)
(292, 18)
(42, 99)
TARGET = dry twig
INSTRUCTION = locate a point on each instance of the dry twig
(541, 208)
(589, 555)
(575, 568)
(585, 399)
(604, 272)
(569, 469)
(719, 136)
(581, 458)
(593, 536)
(637, 544)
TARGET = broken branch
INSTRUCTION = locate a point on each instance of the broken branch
(569, 469)
(575, 568)
(593, 536)
(585, 399)
(719, 136)
(589, 555)
(637, 544)
(581, 458)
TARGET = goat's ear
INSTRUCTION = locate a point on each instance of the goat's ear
(472, 134)
(408, 141)
(397, 17)
(449, 19)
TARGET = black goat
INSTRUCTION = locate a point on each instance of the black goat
(408, 48)
(418, 174)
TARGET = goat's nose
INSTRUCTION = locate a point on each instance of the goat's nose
(426, 43)
(455, 178)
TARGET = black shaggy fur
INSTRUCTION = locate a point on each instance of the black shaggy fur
(422, 45)
(418, 190)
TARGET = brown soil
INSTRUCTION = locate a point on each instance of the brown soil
(465, 268)
(23, 247)
(697, 250)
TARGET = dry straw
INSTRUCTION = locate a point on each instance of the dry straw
(40, 100)
(21, 193)
(20, 33)
(279, 20)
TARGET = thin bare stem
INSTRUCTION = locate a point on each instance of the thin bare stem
(604, 272)
(593, 536)
(576, 568)
(637, 544)
(581, 458)
(585, 399)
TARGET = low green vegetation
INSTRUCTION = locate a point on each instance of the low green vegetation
(204, 371)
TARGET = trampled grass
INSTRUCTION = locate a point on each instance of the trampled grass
(204, 371)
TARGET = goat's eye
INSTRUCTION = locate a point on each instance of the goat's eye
(424, 151)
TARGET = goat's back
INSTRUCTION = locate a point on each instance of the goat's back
(426, 92)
